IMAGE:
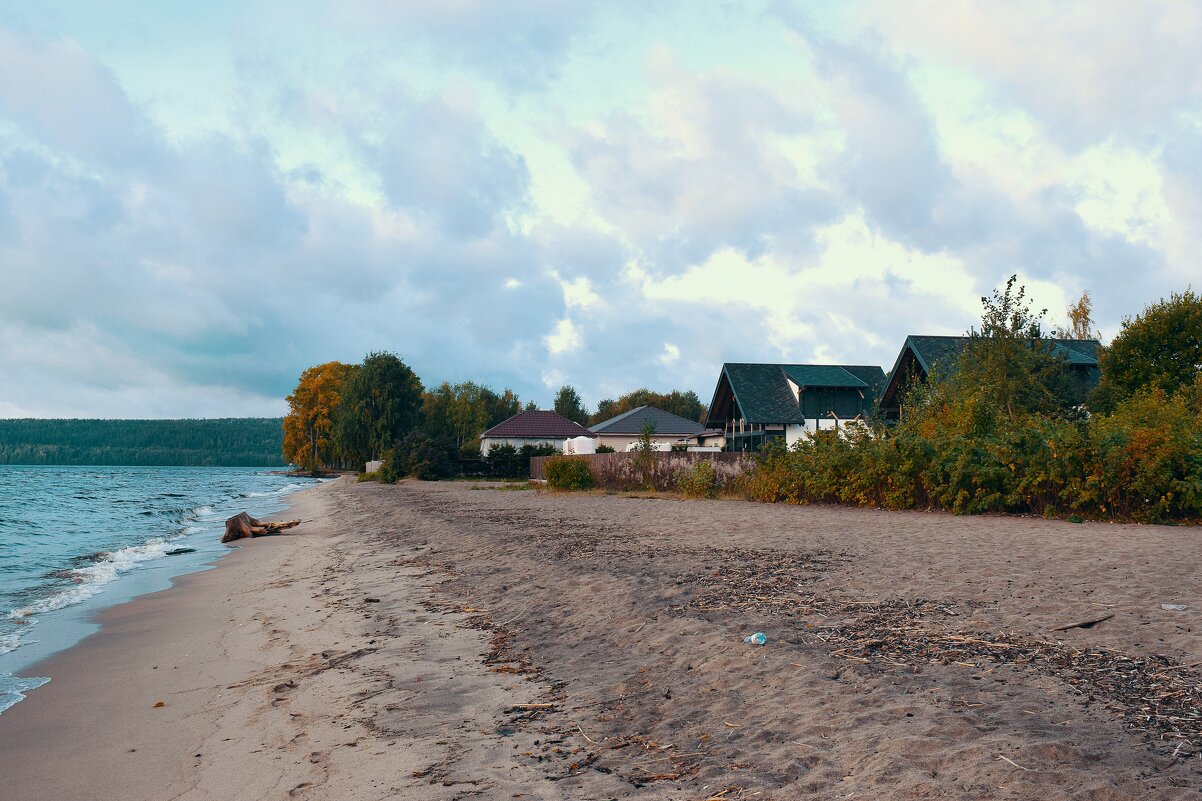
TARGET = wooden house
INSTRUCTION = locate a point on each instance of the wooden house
(922, 356)
(758, 403)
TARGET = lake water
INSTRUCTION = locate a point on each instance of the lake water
(74, 540)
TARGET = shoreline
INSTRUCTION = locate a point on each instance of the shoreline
(447, 640)
(176, 543)
(144, 648)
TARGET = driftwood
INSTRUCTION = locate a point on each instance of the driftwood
(1085, 624)
(243, 526)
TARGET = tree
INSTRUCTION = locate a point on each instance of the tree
(312, 408)
(381, 402)
(568, 404)
(1080, 320)
(681, 404)
(1007, 365)
(1160, 348)
(463, 411)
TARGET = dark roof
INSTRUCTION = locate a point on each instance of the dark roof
(763, 395)
(821, 375)
(632, 422)
(928, 351)
(548, 425)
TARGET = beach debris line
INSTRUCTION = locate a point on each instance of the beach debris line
(243, 526)
(179, 551)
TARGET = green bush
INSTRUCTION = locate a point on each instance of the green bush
(369, 476)
(698, 481)
(420, 456)
(568, 473)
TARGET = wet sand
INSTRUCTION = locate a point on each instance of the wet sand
(429, 641)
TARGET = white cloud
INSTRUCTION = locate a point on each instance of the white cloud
(564, 338)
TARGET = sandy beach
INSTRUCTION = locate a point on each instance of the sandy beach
(450, 640)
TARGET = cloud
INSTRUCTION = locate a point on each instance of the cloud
(535, 192)
(701, 169)
(520, 44)
(1088, 69)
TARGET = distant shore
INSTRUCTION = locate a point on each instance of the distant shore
(430, 641)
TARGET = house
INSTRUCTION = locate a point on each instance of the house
(623, 431)
(708, 438)
(532, 428)
(920, 355)
(756, 403)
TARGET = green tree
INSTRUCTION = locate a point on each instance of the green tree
(569, 404)
(1158, 349)
(463, 411)
(682, 404)
(381, 402)
(1008, 365)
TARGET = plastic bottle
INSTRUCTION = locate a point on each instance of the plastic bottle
(759, 638)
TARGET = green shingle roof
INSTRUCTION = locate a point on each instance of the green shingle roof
(929, 351)
(763, 394)
(821, 375)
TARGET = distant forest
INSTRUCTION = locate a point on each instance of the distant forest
(229, 442)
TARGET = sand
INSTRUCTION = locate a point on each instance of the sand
(431, 641)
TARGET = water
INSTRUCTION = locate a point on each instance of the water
(74, 540)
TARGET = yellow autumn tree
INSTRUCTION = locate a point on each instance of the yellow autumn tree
(311, 410)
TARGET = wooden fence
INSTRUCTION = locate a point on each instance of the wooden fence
(665, 462)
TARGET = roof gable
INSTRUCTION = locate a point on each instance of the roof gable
(763, 394)
(632, 422)
(538, 424)
(930, 351)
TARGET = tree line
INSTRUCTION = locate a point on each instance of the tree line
(229, 442)
(343, 415)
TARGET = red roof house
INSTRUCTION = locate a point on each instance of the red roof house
(532, 428)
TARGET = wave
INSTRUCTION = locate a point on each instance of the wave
(287, 489)
(91, 579)
(13, 688)
(9, 642)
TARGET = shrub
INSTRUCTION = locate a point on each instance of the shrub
(568, 473)
(604, 449)
(698, 481)
(369, 476)
(419, 456)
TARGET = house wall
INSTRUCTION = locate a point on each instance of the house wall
(619, 442)
(488, 443)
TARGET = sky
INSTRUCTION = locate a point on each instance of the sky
(200, 200)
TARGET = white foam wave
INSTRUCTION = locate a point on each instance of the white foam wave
(93, 578)
(287, 489)
(202, 511)
(9, 642)
(194, 530)
(13, 688)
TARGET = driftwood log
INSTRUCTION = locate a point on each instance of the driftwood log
(243, 526)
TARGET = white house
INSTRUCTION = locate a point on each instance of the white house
(532, 428)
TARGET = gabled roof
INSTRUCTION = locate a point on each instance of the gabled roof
(929, 351)
(538, 424)
(763, 394)
(821, 375)
(632, 422)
